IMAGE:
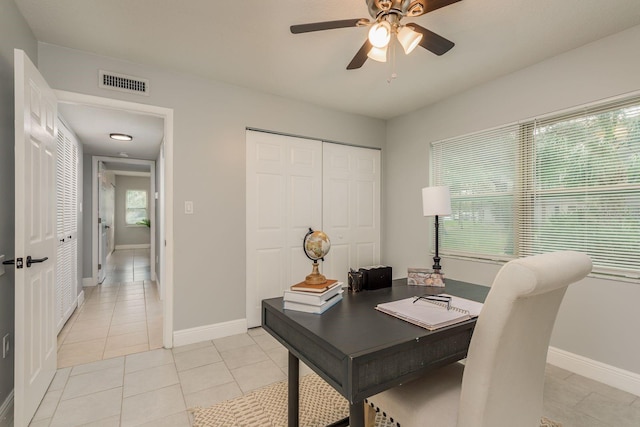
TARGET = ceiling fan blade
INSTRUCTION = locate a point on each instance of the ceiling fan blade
(432, 41)
(437, 4)
(328, 25)
(361, 57)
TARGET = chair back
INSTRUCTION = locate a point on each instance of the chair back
(504, 374)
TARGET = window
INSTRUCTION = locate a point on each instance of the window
(570, 181)
(136, 207)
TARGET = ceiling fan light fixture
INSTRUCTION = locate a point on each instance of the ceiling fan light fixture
(380, 34)
(409, 39)
(378, 54)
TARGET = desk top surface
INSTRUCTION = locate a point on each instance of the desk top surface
(353, 326)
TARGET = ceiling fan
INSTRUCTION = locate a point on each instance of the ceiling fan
(387, 15)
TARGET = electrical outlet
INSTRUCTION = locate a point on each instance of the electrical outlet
(5, 346)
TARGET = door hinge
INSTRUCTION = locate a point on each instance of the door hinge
(99, 266)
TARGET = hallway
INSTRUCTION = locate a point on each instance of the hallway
(122, 316)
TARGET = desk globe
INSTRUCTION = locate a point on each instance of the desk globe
(316, 246)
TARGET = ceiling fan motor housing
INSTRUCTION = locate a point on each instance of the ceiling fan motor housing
(379, 8)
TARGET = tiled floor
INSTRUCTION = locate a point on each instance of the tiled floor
(121, 316)
(156, 388)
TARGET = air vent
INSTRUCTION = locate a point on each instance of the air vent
(123, 83)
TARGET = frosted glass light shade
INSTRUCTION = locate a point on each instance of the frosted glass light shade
(380, 34)
(378, 54)
(436, 201)
(409, 39)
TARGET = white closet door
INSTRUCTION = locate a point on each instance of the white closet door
(351, 208)
(284, 199)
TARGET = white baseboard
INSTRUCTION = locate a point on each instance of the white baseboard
(209, 332)
(88, 281)
(140, 246)
(81, 298)
(6, 411)
(598, 371)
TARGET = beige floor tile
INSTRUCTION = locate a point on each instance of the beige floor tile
(90, 408)
(257, 375)
(128, 328)
(149, 359)
(242, 356)
(233, 341)
(93, 382)
(81, 352)
(197, 357)
(204, 377)
(125, 351)
(126, 340)
(150, 379)
(48, 405)
(86, 334)
(117, 363)
(151, 406)
(129, 318)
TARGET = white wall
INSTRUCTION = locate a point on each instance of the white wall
(589, 325)
(210, 119)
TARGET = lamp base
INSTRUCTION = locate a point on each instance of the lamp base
(425, 277)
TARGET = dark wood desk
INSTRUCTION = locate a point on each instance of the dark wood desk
(361, 351)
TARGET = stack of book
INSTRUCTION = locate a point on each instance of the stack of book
(313, 298)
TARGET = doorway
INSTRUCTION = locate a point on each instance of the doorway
(155, 255)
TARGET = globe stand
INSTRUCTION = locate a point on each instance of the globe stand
(315, 278)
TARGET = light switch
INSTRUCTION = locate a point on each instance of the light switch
(188, 207)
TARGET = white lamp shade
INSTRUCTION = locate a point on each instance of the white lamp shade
(436, 201)
(409, 39)
(380, 34)
(378, 54)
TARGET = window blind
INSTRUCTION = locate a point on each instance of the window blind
(481, 171)
(583, 189)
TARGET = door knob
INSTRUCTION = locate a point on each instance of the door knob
(35, 260)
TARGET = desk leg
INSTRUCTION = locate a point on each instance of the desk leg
(356, 414)
(294, 386)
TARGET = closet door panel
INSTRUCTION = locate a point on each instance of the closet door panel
(284, 199)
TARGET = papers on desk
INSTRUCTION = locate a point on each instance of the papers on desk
(432, 314)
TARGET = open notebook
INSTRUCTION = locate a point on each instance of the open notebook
(432, 314)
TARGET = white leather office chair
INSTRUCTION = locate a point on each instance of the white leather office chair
(502, 380)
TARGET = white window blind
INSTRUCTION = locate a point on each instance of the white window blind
(583, 192)
(565, 182)
(481, 171)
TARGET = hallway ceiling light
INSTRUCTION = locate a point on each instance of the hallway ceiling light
(120, 137)
(123, 154)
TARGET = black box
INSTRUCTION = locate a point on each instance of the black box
(376, 277)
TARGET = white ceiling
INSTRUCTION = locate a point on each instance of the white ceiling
(249, 43)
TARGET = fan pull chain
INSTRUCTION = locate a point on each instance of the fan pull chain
(392, 54)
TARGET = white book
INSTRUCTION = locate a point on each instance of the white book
(315, 309)
(312, 298)
(432, 314)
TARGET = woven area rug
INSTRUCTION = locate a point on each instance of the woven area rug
(320, 405)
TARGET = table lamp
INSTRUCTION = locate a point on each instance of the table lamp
(436, 201)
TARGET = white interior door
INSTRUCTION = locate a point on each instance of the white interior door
(351, 208)
(102, 223)
(284, 199)
(35, 237)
